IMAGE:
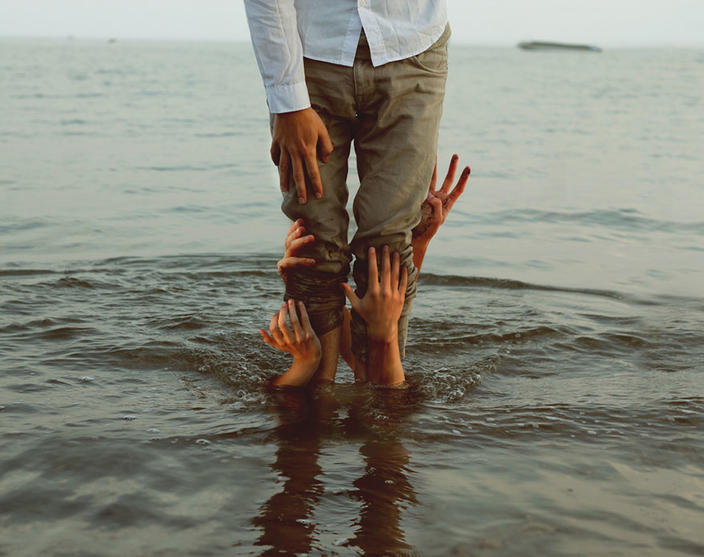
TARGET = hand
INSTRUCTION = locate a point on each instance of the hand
(301, 342)
(437, 206)
(297, 138)
(382, 304)
(295, 241)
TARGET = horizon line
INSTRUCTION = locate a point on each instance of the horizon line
(488, 43)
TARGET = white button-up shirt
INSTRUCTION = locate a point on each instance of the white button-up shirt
(284, 31)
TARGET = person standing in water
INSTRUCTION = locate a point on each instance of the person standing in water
(368, 73)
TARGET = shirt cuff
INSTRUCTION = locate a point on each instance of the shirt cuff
(287, 98)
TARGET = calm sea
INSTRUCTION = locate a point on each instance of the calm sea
(556, 352)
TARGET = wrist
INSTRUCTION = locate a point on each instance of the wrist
(420, 243)
(299, 374)
(382, 334)
(307, 360)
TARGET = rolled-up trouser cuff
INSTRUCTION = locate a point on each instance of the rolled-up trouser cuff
(321, 293)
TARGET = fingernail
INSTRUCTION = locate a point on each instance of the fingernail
(301, 200)
(318, 195)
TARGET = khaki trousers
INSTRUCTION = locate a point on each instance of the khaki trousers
(390, 114)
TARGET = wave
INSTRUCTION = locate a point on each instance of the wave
(626, 219)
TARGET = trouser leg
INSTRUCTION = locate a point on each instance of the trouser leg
(330, 87)
(399, 107)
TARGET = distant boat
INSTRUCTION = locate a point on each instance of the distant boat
(542, 45)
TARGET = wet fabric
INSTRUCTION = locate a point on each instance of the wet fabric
(390, 115)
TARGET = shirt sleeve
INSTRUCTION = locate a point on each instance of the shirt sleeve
(279, 53)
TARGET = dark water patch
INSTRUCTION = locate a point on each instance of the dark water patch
(37, 323)
(25, 272)
(450, 339)
(137, 509)
(156, 354)
(63, 334)
(58, 382)
(27, 387)
(184, 322)
(73, 282)
(30, 506)
(612, 320)
(26, 224)
(11, 407)
(509, 284)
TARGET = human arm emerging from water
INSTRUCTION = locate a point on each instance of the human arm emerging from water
(434, 211)
(436, 207)
(298, 339)
(381, 309)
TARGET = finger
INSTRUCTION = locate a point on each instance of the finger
(285, 332)
(284, 169)
(305, 320)
(298, 243)
(275, 153)
(288, 263)
(299, 179)
(385, 269)
(274, 329)
(325, 145)
(289, 246)
(434, 179)
(395, 264)
(295, 324)
(351, 295)
(450, 177)
(458, 189)
(314, 174)
(268, 339)
(404, 281)
(295, 229)
(290, 237)
(373, 275)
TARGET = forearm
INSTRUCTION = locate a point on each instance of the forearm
(385, 367)
(279, 52)
(420, 246)
(346, 339)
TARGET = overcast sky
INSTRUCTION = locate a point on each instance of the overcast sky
(604, 22)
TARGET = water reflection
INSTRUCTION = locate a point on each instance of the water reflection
(384, 490)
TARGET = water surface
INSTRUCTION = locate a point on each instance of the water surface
(555, 355)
